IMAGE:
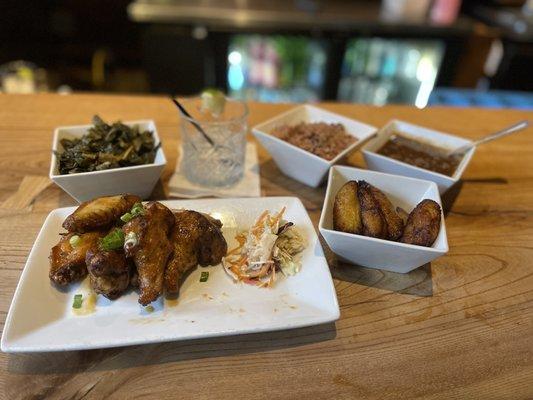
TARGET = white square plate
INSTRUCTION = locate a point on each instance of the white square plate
(41, 317)
(379, 162)
(379, 253)
(300, 164)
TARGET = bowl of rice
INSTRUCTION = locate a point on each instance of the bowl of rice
(307, 140)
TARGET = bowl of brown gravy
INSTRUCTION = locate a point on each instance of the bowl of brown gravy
(410, 150)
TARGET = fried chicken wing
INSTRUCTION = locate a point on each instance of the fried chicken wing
(110, 286)
(374, 224)
(151, 248)
(105, 262)
(67, 263)
(109, 271)
(423, 224)
(99, 213)
(214, 221)
(212, 245)
(391, 217)
(196, 239)
(346, 210)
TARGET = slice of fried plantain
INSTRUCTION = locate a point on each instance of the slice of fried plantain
(346, 211)
(403, 214)
(423, 224)
(394, 222)
(374, 223)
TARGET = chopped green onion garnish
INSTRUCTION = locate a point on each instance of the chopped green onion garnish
(74, 240)
(204, 277)
(137, 209)
(78, 300)
(126, 217)
(149, 308)
(113, 240)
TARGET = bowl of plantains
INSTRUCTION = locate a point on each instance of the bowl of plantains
(382, 221)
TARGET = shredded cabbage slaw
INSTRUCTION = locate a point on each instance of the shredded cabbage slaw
(270, 244)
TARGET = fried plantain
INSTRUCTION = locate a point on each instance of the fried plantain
(346, 210)
(394, 222)
(423, 224)
(374, 223)
(402, 214)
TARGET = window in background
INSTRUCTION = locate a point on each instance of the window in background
(276, 68)
(380, 71)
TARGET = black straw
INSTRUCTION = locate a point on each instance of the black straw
(193, 122)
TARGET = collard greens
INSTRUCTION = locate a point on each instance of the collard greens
(107, 146)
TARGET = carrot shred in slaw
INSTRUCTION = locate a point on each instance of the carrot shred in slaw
(271, 243)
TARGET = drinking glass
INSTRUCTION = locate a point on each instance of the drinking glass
(217, 160)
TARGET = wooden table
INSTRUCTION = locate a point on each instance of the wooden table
(460, 328)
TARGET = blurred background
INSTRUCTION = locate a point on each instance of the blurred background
(419, 52)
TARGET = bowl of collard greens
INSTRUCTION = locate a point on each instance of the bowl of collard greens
(107, 158)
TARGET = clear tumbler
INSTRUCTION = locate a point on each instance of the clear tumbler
(218, 159)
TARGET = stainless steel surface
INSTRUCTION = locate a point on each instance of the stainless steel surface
(246, 13)
(260, 14)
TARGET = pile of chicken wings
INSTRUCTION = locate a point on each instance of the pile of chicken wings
(120, 242)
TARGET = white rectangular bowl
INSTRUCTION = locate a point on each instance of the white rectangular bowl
(379, 253)
(41, 318)
(139, 179)
(299, 164)
(378, 162)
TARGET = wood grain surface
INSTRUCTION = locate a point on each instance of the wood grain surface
(460, 328)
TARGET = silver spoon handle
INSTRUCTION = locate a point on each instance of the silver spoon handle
(504, 132)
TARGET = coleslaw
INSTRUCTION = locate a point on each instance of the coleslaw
(271, 244)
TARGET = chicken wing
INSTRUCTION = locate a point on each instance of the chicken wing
(67, 263)
(110, 286)
(101, 262)
(423, 224)
(196, 239)
(212, 245)
(99, 213)
(150, 249)
(109, 271)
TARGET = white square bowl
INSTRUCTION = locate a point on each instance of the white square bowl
(379, 253)
(378, 162)
(139, 179)
(299, 164)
